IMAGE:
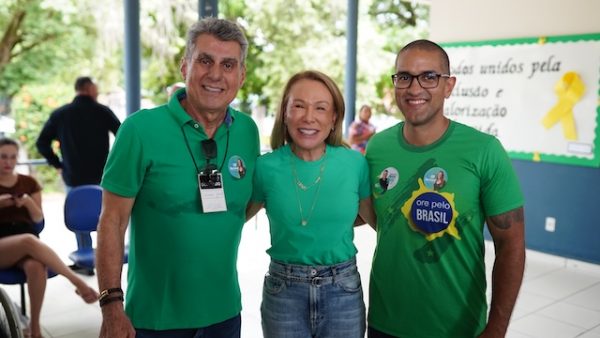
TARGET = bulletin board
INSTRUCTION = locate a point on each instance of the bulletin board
(539, 96)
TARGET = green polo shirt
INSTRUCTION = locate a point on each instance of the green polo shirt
(182, 262)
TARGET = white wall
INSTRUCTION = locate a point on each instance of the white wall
(472, 20)
(577, 232)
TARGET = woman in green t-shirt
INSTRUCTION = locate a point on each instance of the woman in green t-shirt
(312, 187)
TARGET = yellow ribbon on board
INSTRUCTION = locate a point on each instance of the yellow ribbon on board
(569, 90)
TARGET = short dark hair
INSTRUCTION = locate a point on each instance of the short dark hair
(428, 45)
(5, 141)
(221, 29)
(82, 82)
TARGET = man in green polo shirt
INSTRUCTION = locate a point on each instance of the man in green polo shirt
(174, 171)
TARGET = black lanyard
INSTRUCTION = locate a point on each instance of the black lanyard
(207, 159)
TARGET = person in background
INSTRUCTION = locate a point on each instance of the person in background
(82, 128)
(173, 172)
(174, 87)
(440, 181)
(312, 188)
(428, 276)
(361, 131)
(384, 181)
(20, 210)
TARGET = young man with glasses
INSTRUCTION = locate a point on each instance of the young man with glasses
(428, 275)
(174, 172)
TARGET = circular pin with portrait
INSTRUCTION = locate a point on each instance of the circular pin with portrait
(435, 178)
(388, 178)
(237, 167)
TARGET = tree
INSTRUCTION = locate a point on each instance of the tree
(39, 40)
(164, 25)
(47, 43)
(238, 11)
(399, 22)
(290, 36)
(44, 45)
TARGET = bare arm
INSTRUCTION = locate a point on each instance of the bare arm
(507, 231)
(353, 136)
(366, 212)
(365, 136)
(252, 209)
(114, 219)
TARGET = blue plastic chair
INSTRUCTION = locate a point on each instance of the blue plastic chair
(15, 275)
(82, 212)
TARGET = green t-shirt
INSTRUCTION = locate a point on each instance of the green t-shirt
(329, 206)
(182, 262)
(428, 274)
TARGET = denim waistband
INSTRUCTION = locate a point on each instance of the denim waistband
(314, 274)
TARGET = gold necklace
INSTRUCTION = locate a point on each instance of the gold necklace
(299, 184)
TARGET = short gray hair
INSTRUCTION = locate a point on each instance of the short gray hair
(223, 30)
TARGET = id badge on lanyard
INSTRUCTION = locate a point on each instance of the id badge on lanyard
(212, 193)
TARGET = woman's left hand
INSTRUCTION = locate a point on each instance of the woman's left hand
(20, 201)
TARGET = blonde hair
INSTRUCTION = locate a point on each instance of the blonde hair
(280, 135)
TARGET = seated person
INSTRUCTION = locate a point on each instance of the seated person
(20, 209)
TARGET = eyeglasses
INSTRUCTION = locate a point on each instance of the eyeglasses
(209, 152)
(427, 80)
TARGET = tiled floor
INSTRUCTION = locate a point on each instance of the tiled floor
(560, 298)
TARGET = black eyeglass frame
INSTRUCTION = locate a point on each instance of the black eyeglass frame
(418, 76)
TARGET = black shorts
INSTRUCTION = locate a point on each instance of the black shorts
(15, 228)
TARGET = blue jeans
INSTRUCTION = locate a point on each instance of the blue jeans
(229, 328)
(301, 301)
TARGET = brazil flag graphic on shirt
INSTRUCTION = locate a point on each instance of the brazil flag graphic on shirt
(431, 213)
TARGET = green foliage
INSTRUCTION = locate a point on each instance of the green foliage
(163, 27)
(237, 11)
(31, 109)
(399, 22)
(289, 37)
(62, 39)
(40, 41)
(43, 43)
